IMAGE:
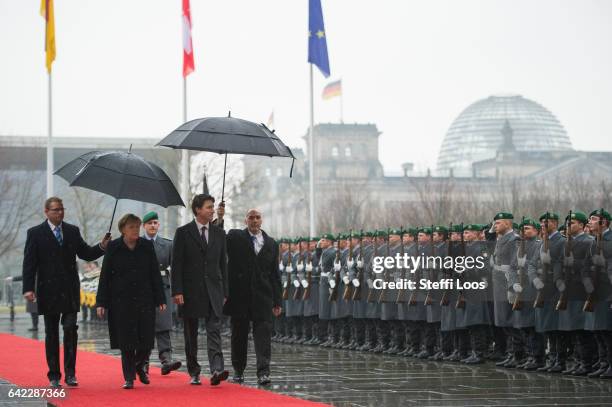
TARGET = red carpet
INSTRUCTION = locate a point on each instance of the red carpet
(100, 380)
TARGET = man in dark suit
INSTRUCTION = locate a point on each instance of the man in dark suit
(50, 270)
(255, 294)
(199, 285)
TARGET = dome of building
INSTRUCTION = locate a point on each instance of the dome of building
(477, 133)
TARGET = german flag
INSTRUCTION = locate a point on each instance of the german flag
(332, 89)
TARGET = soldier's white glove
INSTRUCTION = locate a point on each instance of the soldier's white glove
(350, 262)
(337, 266)
(511, 297)
(568, 261)
(538, 283)
(284, 284)
(346, 279)
(560, 285)
(545, 257)
(521, 261)
(308, 267)
(492, 261)
(281, 267)
(289, 268)
(324, 274)
(300, 267)
(517, 288)
(9, 279)
(356, 282)
(370, 283)
(332, 283)
(296, 283)
(359, 264)
(305, 283)
(588, 285)
(485, 281)
(599, 260)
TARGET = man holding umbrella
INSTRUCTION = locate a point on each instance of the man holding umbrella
(49, 263)
(200, 285)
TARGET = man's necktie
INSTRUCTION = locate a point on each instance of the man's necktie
(204, 240)
(58, 236)
(253, 239)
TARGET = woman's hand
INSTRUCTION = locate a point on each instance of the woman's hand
(100, 312)
(162, 307)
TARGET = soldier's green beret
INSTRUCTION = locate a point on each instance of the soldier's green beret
(530, 222)
(149, 216)
(328, 236)
(487, 226)
(440, 229)
(549, 216)
(503, 215)
(457, 228)
(427, 231)
(473, 227)
(315, 239)
(579, 216)
(413, 231)
(398, 232)
(601, 213)
(381, 233)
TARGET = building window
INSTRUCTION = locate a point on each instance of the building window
(347, 151)
(279, 172)
(335, 152)
(268, 172)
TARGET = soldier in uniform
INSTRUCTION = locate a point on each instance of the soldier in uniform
(598, 318)
(341, 309)
(363, 305)
(411, 333)
(574, 288)
(358, 309)
(163, 319)
(388, 311)
(475, 315)
(327, 280)
(504, 262)
(373, 310)
(427, 319)
(295, 307)
(310, 288)
(524, 295)
(434, 310)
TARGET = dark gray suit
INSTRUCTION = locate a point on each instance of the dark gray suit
(199, 273)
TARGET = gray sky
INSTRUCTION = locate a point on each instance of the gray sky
(409, 66)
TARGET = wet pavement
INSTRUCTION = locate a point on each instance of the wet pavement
(349, 378)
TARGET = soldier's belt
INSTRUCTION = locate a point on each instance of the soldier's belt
(163, 272)
(505, 268)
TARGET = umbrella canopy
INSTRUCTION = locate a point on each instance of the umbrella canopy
(122, 175)
(227, 135)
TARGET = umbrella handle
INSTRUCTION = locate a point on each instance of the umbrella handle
(113, 217)
(223, 188)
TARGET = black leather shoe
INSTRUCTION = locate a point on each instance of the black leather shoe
(218, 377)
(607, 374)
(71, 381)
(558, 367)
(474, 360)
(570, 370)
(142, 376)
(238, 378)
(501, 363)
(55, 383)
(424, 354)
(195, 380)
(264, 380)
(534, 364)
(598, 372)
(582, 370)
(170, 366)
(129, 384)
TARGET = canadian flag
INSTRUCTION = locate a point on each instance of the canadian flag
(188, 64)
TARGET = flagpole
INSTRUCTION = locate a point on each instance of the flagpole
(184, 167)
(50, 141)
(313, 230)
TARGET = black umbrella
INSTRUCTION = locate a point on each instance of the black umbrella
(122, 175)
(227, 135)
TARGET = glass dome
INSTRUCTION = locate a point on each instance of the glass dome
(477, 133)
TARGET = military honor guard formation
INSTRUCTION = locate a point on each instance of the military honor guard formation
(540, 301)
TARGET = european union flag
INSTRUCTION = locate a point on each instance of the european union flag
(317, 44)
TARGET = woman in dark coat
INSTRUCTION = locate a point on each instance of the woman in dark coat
(130, 288)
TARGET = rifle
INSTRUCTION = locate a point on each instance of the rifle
(298, 294)
(589, 303)
(461, 298)
(429, 297)
(545, 260)
(401, 295)
(358, 291)
(307, 289)
(568, 263)
(348, 287)
(381, 295)
(517, 305)
(412, 301)
(371, 290)
(333, 295)
(288, 271)
(444, 300)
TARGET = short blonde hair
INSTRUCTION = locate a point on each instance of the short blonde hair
(128, 218)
